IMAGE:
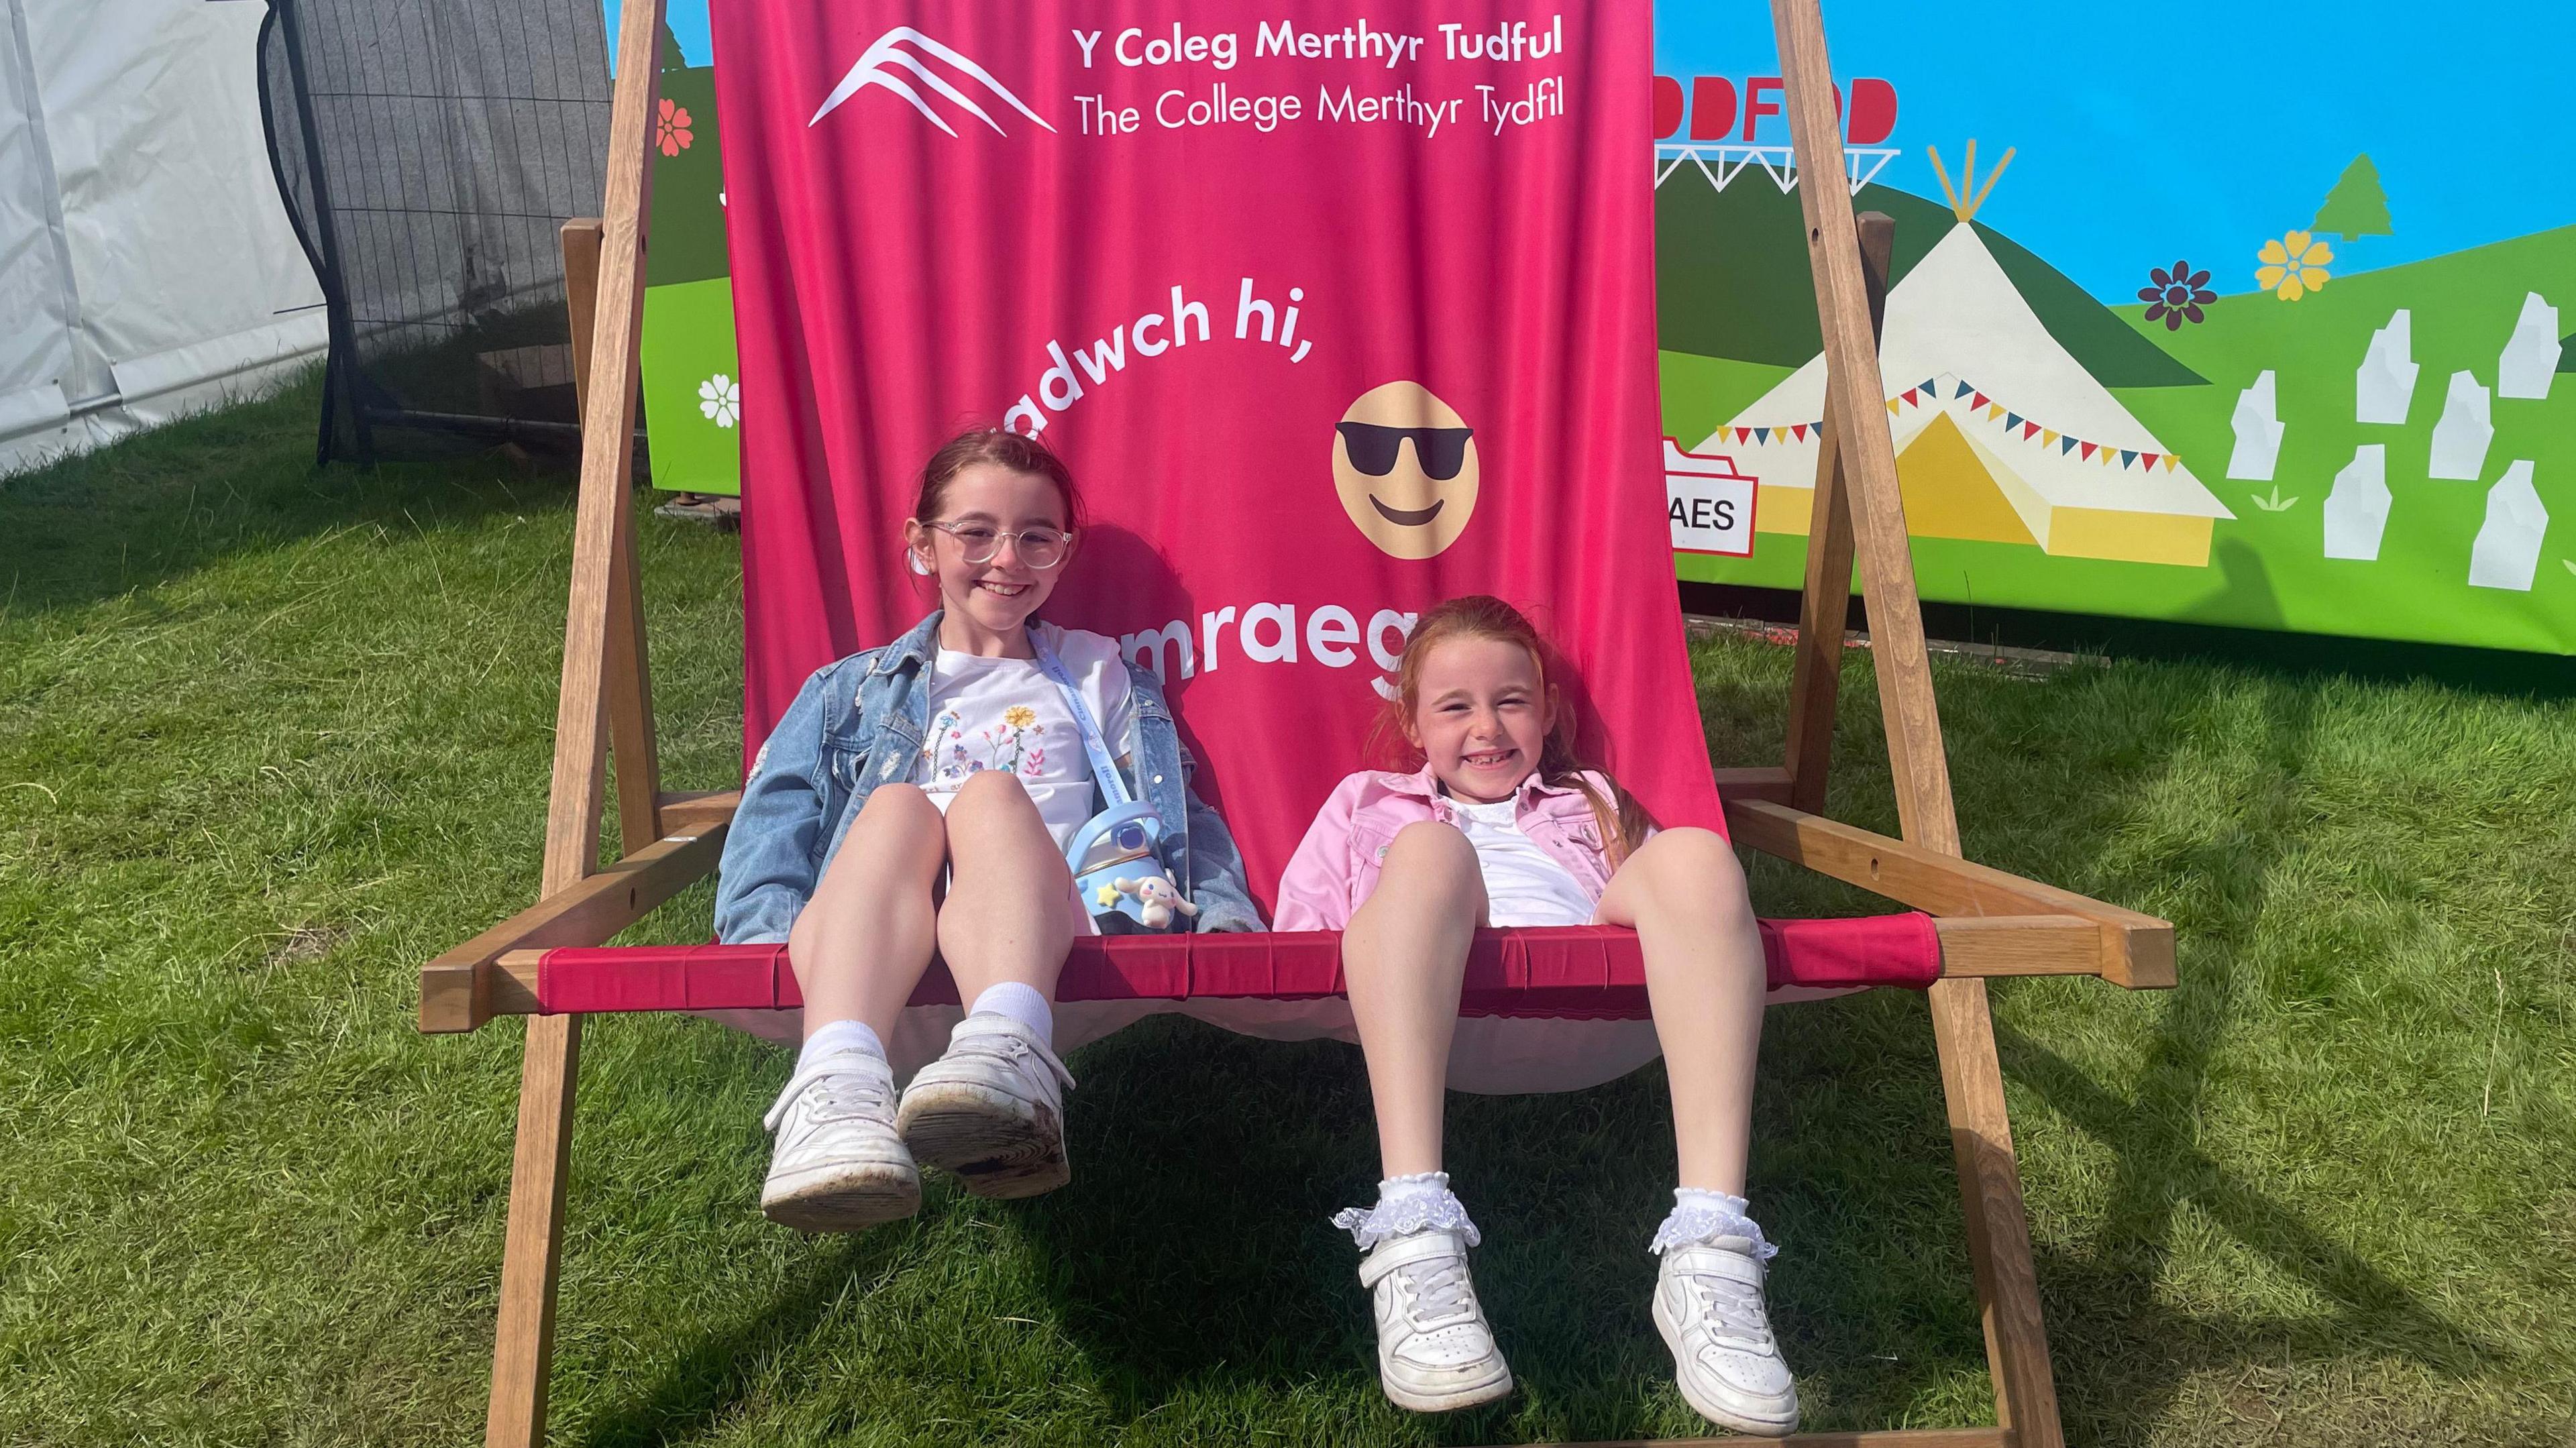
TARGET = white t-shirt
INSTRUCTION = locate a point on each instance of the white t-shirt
(1007, 714)
(1523, 884)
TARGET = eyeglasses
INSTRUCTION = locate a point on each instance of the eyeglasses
(1441, 451)
(1039, 548)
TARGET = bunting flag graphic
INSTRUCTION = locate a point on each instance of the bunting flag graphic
(1980, 406)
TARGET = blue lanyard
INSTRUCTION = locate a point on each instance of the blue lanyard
(1103, 768)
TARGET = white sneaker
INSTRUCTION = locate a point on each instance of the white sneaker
(1708, 1305)
(1434, 1349)
(991, 1110)
(838, 1165)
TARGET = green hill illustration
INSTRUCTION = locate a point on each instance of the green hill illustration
(1731, 281)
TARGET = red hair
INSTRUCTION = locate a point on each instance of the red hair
(1019, 452)
(1623, 821)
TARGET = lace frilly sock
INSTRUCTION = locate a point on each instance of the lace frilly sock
(1420, 1202)
(1699, 1216)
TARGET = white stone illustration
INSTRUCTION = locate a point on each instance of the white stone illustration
(2258, 432)
(2384, 387)
(2507, 552)
(2357, 509)
(2460, 439)
(2530, 359)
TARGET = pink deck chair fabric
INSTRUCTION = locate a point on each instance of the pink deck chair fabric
(937, 216)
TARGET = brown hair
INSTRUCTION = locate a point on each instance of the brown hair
(1623, 821)
(1017, 451)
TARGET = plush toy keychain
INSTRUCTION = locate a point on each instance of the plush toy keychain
(1156, 899)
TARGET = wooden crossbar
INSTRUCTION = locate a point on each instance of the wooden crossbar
(1980, 946)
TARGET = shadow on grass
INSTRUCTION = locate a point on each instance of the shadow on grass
(717, 1371)
(2115, 1291)
(158, 506)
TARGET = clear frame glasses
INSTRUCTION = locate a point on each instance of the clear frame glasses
(1039, 548)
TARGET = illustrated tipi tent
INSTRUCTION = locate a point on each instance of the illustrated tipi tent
(2002, 435)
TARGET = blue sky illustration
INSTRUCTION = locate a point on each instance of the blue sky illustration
(2182, 129)
(2188, 129)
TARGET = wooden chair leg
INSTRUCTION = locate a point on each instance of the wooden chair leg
(1816, 675)
(534, 1248)
(1972, 1085)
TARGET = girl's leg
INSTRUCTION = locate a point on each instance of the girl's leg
(859, 945)
(1683, 893)
(992, 1108)
(864, 938)
(1009, 914)
(1404, 957)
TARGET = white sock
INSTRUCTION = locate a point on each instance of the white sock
(837, 1037)
(1405, 1205)
(1021, 1002)
(1703, 1216)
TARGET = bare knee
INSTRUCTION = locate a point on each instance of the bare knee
(1691, 869)
(990, 793)
(898, 802)
(1430, 845)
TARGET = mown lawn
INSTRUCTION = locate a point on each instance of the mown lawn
(270, 738)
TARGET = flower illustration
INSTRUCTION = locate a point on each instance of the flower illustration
(720, 399)
(2177, 296)
(1019, 716)
(2293, 266)
(671, 133)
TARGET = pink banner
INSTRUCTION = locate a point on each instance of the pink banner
(1333, 318)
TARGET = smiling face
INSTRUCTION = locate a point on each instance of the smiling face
(1405, 465)
(989, 601)
(1481, 714)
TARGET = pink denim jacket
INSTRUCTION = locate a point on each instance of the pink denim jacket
(1336, 865)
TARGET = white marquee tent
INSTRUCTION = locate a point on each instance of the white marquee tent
(147, 268)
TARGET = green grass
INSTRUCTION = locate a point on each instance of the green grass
(269, 738)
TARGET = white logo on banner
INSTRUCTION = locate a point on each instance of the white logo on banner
(877, 67)
(1709, 503)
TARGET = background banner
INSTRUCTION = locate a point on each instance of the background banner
(1334, 319)
(2263, 324)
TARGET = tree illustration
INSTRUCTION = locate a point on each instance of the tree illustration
(2356, 206)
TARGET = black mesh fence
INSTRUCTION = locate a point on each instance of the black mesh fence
(428, 152)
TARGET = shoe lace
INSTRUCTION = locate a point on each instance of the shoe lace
(1441, 1289)
(1734, 1310)
(846, 1094)
(838, 1096)
(1016, 1051)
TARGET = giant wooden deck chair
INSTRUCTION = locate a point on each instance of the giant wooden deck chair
(1970, 922)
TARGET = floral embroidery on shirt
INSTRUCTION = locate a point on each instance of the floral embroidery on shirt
(1016, 745)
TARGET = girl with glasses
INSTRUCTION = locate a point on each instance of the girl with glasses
(919, 798)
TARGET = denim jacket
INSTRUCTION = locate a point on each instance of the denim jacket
(858, 724)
